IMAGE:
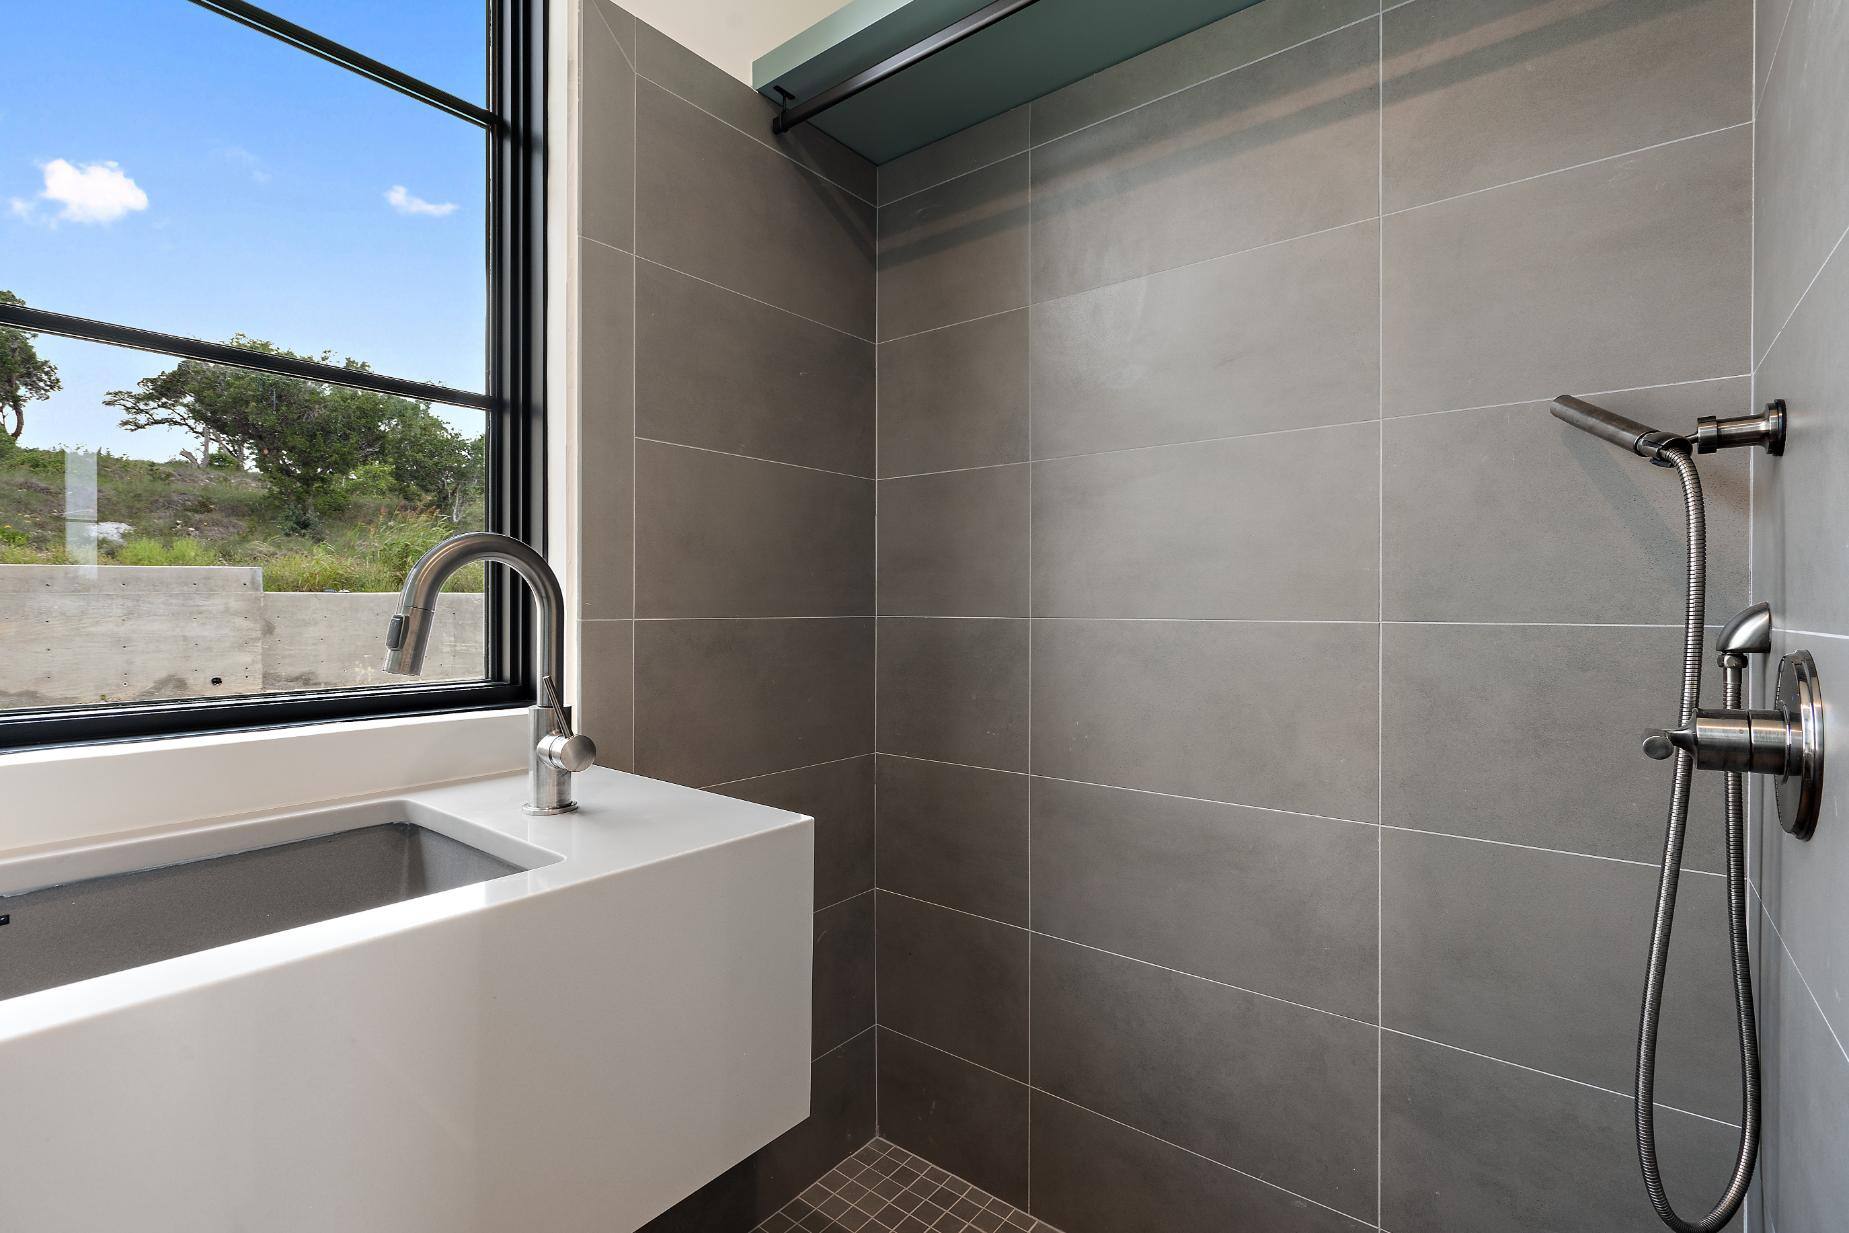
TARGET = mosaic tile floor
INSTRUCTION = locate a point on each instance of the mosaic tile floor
(885, 1189)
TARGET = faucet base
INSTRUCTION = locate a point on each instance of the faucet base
(546, 811)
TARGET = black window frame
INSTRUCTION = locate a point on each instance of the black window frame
(513, 124)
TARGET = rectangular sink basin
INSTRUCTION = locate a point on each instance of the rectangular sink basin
(54, 935)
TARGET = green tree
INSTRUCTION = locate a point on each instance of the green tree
(431, 462)
(24, 375)
(305, 438)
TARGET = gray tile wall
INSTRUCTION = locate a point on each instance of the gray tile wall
(725, 305)
(1801, 317)
(1260, 844)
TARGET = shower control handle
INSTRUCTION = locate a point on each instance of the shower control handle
(1785, 742)
(1756, 742)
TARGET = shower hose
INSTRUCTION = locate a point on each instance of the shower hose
(1695, 618)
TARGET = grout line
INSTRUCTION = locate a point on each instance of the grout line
(1555, 171)
(1148, 963)
(1802, 979)
(614, 36)
(1380, 614)
(767, 774)
(1198, 1156)
(1610, 1091)
(1805, 294)
(1810, 633)
(845, 899)
(1529, 847)
(1760, 90)
(836, 1048)
(778, 462)
(986, 466)
(635, 351)
(845, 616)
(1543, 398)
(1150, 102)
(875, 734)
(1028, 587)
(743, 295)
(951, 325)
(777, 150)
(1126, 1125)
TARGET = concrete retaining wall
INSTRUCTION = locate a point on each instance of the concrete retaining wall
(75, 634)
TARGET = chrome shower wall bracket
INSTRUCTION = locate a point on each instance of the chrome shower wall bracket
(1766, 429)
(1785, 742)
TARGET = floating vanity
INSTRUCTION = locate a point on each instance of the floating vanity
(421, 1012)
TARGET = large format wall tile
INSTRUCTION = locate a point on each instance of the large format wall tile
(954, 981)
(954, 252)
(1280, 148)
(1802, 160)
(840, 797)
(972, 148)
(1285, 336)
(1621, 274)
(723, 207)
(1801, 882)
(1528, 734)
(606, 699)
(1538, 958)
(954, 690)
(841, 989)
(1506, 514)
(1278, 903)
(1094, 1175)
(1469, 1144)
(954, 835)
(1807, 1088)
(723, 699)
(607, 139)
(1248, 35)
(960, 1117)
(1481, 93)
(1212, 709)
(713, 90)
(1769, 17)
(606, 432)
(954, 397)
(704, 547)
(1273, 527)
(954, 543)
(1803, 553)
(722, 371)
(1275, 1090)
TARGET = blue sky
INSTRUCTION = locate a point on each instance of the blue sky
(161, 166)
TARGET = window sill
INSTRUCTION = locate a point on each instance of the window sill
(55, 796)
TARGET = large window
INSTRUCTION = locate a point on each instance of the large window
(269, 328)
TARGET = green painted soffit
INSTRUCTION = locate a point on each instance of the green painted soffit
(1048, 45)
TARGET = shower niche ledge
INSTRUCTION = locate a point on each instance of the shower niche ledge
(422, 1013)
(884, 77)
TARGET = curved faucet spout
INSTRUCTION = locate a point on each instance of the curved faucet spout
(557, 751)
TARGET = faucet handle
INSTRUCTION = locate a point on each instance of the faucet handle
(567, 751)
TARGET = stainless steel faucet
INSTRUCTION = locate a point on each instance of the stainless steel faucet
(557, 751)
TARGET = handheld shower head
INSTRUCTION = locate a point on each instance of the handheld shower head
(1626, 434)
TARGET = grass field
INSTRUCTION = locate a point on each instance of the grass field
(183, 513)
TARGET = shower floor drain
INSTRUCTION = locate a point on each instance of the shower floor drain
(883, 1188)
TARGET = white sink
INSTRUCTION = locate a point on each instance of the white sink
(617, 1013)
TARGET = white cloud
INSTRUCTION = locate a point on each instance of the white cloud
(92, 193)
(403, 201)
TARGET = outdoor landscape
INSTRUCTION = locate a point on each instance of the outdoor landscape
(322, 487)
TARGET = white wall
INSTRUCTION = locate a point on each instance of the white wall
(731, 33)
